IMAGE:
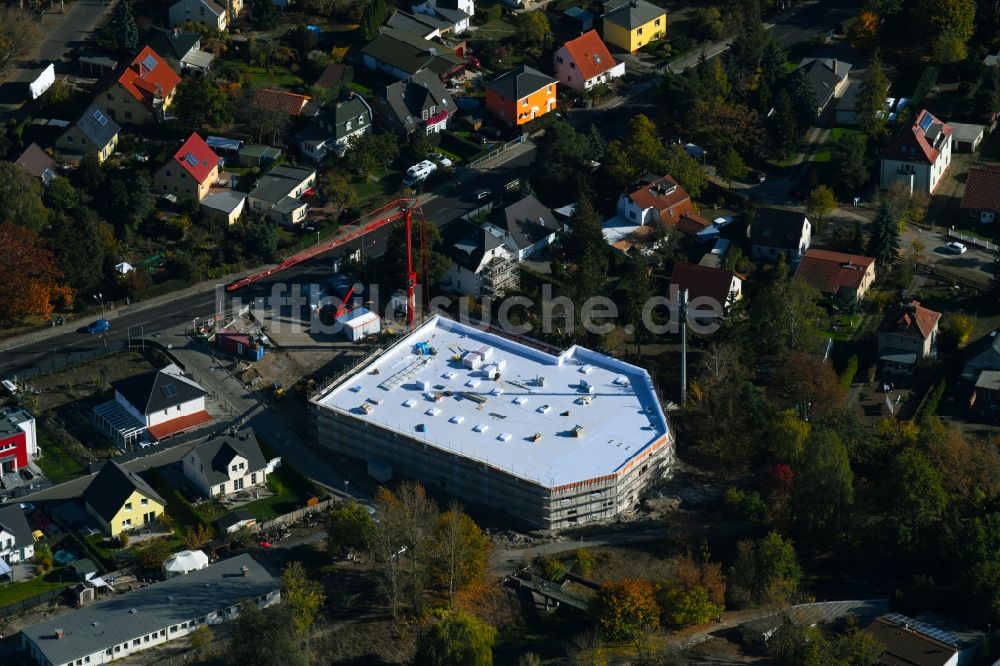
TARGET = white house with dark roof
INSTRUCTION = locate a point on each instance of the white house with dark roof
(828, 77)
(207, 12)
(16, 542)
(152, 406)
(181, 49)
(226, 464)
(419, 103)
(279, 194)
(776, 232)
(94, 131)
(124, 624)
(918, 156)
(456, 13)
(526, 226)
(481, 263)
(335, 126)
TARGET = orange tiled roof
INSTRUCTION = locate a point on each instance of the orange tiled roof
(663, 194)
(148, 77)
(590, 54)
(831, 271)
(269, 99)
(910, 319)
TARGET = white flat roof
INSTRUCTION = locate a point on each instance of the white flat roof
(495, 422)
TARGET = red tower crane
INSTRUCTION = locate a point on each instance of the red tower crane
(387, 214)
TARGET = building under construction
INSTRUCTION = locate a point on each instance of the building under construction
(555, 440)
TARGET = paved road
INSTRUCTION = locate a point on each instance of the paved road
(165, 314)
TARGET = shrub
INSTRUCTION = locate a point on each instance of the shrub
(123, 539)
(624, 608)
(847, 376)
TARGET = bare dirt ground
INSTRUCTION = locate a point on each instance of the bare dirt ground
(87, 379)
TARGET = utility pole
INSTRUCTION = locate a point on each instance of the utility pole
(682, 308)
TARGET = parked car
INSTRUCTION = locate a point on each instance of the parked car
(99, 326)
(723, 221)
(472, 62)
(60, 321)
(957, 248)
(483, 194)
(440, 159)
(477, 138)
(756, 176)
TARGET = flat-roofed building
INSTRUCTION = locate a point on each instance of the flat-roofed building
(555, 439)
(124, 624)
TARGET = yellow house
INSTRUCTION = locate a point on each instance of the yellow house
(121, 501)
(631, 24)
(93, 132)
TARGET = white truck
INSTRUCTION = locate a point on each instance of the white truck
(418, 173)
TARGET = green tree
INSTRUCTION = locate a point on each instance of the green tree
(803, 97)
(624, 608)
(765, 571)
(644, 146)
(640, 290)
(265, 14)
(77, 246)
(123, 28)
(731, 166)
(393, 262)
(685, 170)
(708, 23)
(820, 202)
(683, 607)
(265, 638)
(349, 526)
(19, 34)
(871, 106)
(785, 127)
(562, 164)
(784, 317)
(850, 160)
(949, 24)
(456, 638)
(303, 596)
(259, 237)
(200, 101)
(534, 31)
(617, 168)
(89, 174)
(21, 198)
(787, 435)
(823, 489)
(338, 190)
(370, 151)
(883, 244)
(914, 491)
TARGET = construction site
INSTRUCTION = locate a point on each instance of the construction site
(555, 440)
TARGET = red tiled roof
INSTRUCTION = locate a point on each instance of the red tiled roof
(178, 425)
(148, 77)
(982, 189)
(912, 145)
(664, 195)
(830, 271)
(691, 223)
(910, 319)
(196, 158)
(705, 281)
(269, 99)
(590, 54)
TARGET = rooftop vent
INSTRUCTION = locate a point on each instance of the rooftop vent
(59, 633)
(504, 437)
(132, 611)
(482, 427)
(433, 411)
(245, 570)
(457, 418)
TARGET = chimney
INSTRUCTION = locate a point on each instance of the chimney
(833, 65)
(59, 633)
(245, 570)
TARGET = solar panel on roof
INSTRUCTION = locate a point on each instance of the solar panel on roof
(150, 61)
(191, 159)
(99, 117)
(927, 630)
(926, 121)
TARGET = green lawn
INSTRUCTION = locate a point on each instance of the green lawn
(54, 580)
(502, 28)
(279, 77)
(289, 494)
(55, 462)
(382, 185)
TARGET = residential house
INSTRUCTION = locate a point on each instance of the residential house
(121, 500)
(226, 464)
(918, 156)
(907, 334)
(214, 15)
(401, 54)
(278, 194)
(181, 49)
(456, 13)
(332, 78)
(982, 193)
(152, 615)
(906, 641)
(577, 20)
(152, 406)
(94, 132)
(18, 440)
(836, 275)
(966, 137)
(37, 162)
(526, 226)
(585, 62)
(631, 24)
(234, 521)
(336, 126)
(226, 206)
(828, 77)
(258, 155)
(482, 265)
(982, 372)
(521, 95)
(190, 173)
(711, 291)
(660, 199)
(144, 90)
(425, 26)
(16, 542)
(778, 232)
(986, 396)
(419, 103)
(280, 102)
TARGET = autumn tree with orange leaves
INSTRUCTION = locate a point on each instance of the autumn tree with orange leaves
(31, 281)
(863, 30)
(624, 608)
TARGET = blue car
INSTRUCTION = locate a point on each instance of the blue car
(99, 326)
